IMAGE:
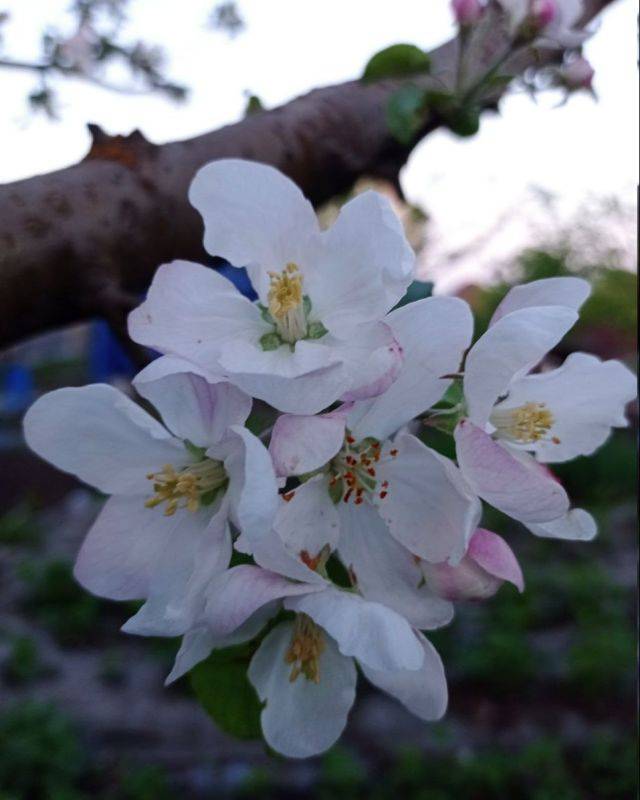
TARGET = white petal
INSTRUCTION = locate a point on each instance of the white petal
(373, 360)
(199, 548)
(385, 571)
(99, 435)
(363, 267)
(119, 554)
(569, 292)
(509, 349)
(193, 312)
(517, 486)
(577, 524)
(304, 381)
(586, 398)
(193, 408)
(240, 591)
(428, 508)
(369, 631)
(433, 335)
(252, 490)
(254, 216)
(198, 643)
(303, 443)
(309, 521)
(270, 552)
(301, 718)
(422, 691)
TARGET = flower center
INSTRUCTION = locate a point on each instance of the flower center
(353, 471)
(525, 424)
(307, 645)
(286, 304)
(191, 487)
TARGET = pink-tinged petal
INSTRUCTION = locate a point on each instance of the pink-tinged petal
(301, 444)
(362, 267)
(426, 505)
(577, 525)
(494, 555)
(513, 484)
(385, 571)
(508, 350)
(569, 292)
(194, 408)
(301, 718)
(101, 436)
(372, 633)
(239, 592)
(433, 335)
(193, 312)
(586, 397)
(308, 521)
(373, 360)
(422, 691)
(254, 216)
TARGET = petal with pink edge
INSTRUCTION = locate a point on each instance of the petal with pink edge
(516, 485)
(303, 443)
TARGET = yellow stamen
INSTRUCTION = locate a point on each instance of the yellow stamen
(186, 488)
(526, 424)
(307, 645)
(286, 303)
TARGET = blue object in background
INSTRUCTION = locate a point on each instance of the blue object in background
(239, 278)
(107, 358)
(18, 389)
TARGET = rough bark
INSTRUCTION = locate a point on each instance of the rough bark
(81, 241)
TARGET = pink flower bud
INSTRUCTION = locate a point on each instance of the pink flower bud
(467, 12)
(489, 562)
(543, 12)
(577, 74)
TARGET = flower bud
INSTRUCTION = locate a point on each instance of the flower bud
(467, 12)
(542, 14)
(577, 74)
(489, 562)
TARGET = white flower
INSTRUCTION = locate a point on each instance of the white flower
(304, 670)
(315, 336)
(380, 501)
(551, 23)
(555, 415)
(174, 487)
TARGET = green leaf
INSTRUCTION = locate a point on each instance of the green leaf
(316, 330)
(270, 341)
(397, 61)
(406, 112)
(464, 121)
(418, 290)
(254, 105)
(221, 685)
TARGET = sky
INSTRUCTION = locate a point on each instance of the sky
(480, 192)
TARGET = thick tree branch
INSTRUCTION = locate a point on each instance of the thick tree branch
(72, 240)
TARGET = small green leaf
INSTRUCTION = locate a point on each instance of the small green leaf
(266, 314)
(221, 685)
(464, 121)
(406, 112)
(306, 305)
(316, 330)
(197, 452)
(270, 341)
(418, 290)
(336, 490)
(254, 105)
(397, 61)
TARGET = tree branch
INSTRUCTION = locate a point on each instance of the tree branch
(72, 240)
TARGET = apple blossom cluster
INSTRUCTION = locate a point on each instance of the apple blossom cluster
(334, 539)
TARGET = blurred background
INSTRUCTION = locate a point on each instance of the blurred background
(542, 685)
